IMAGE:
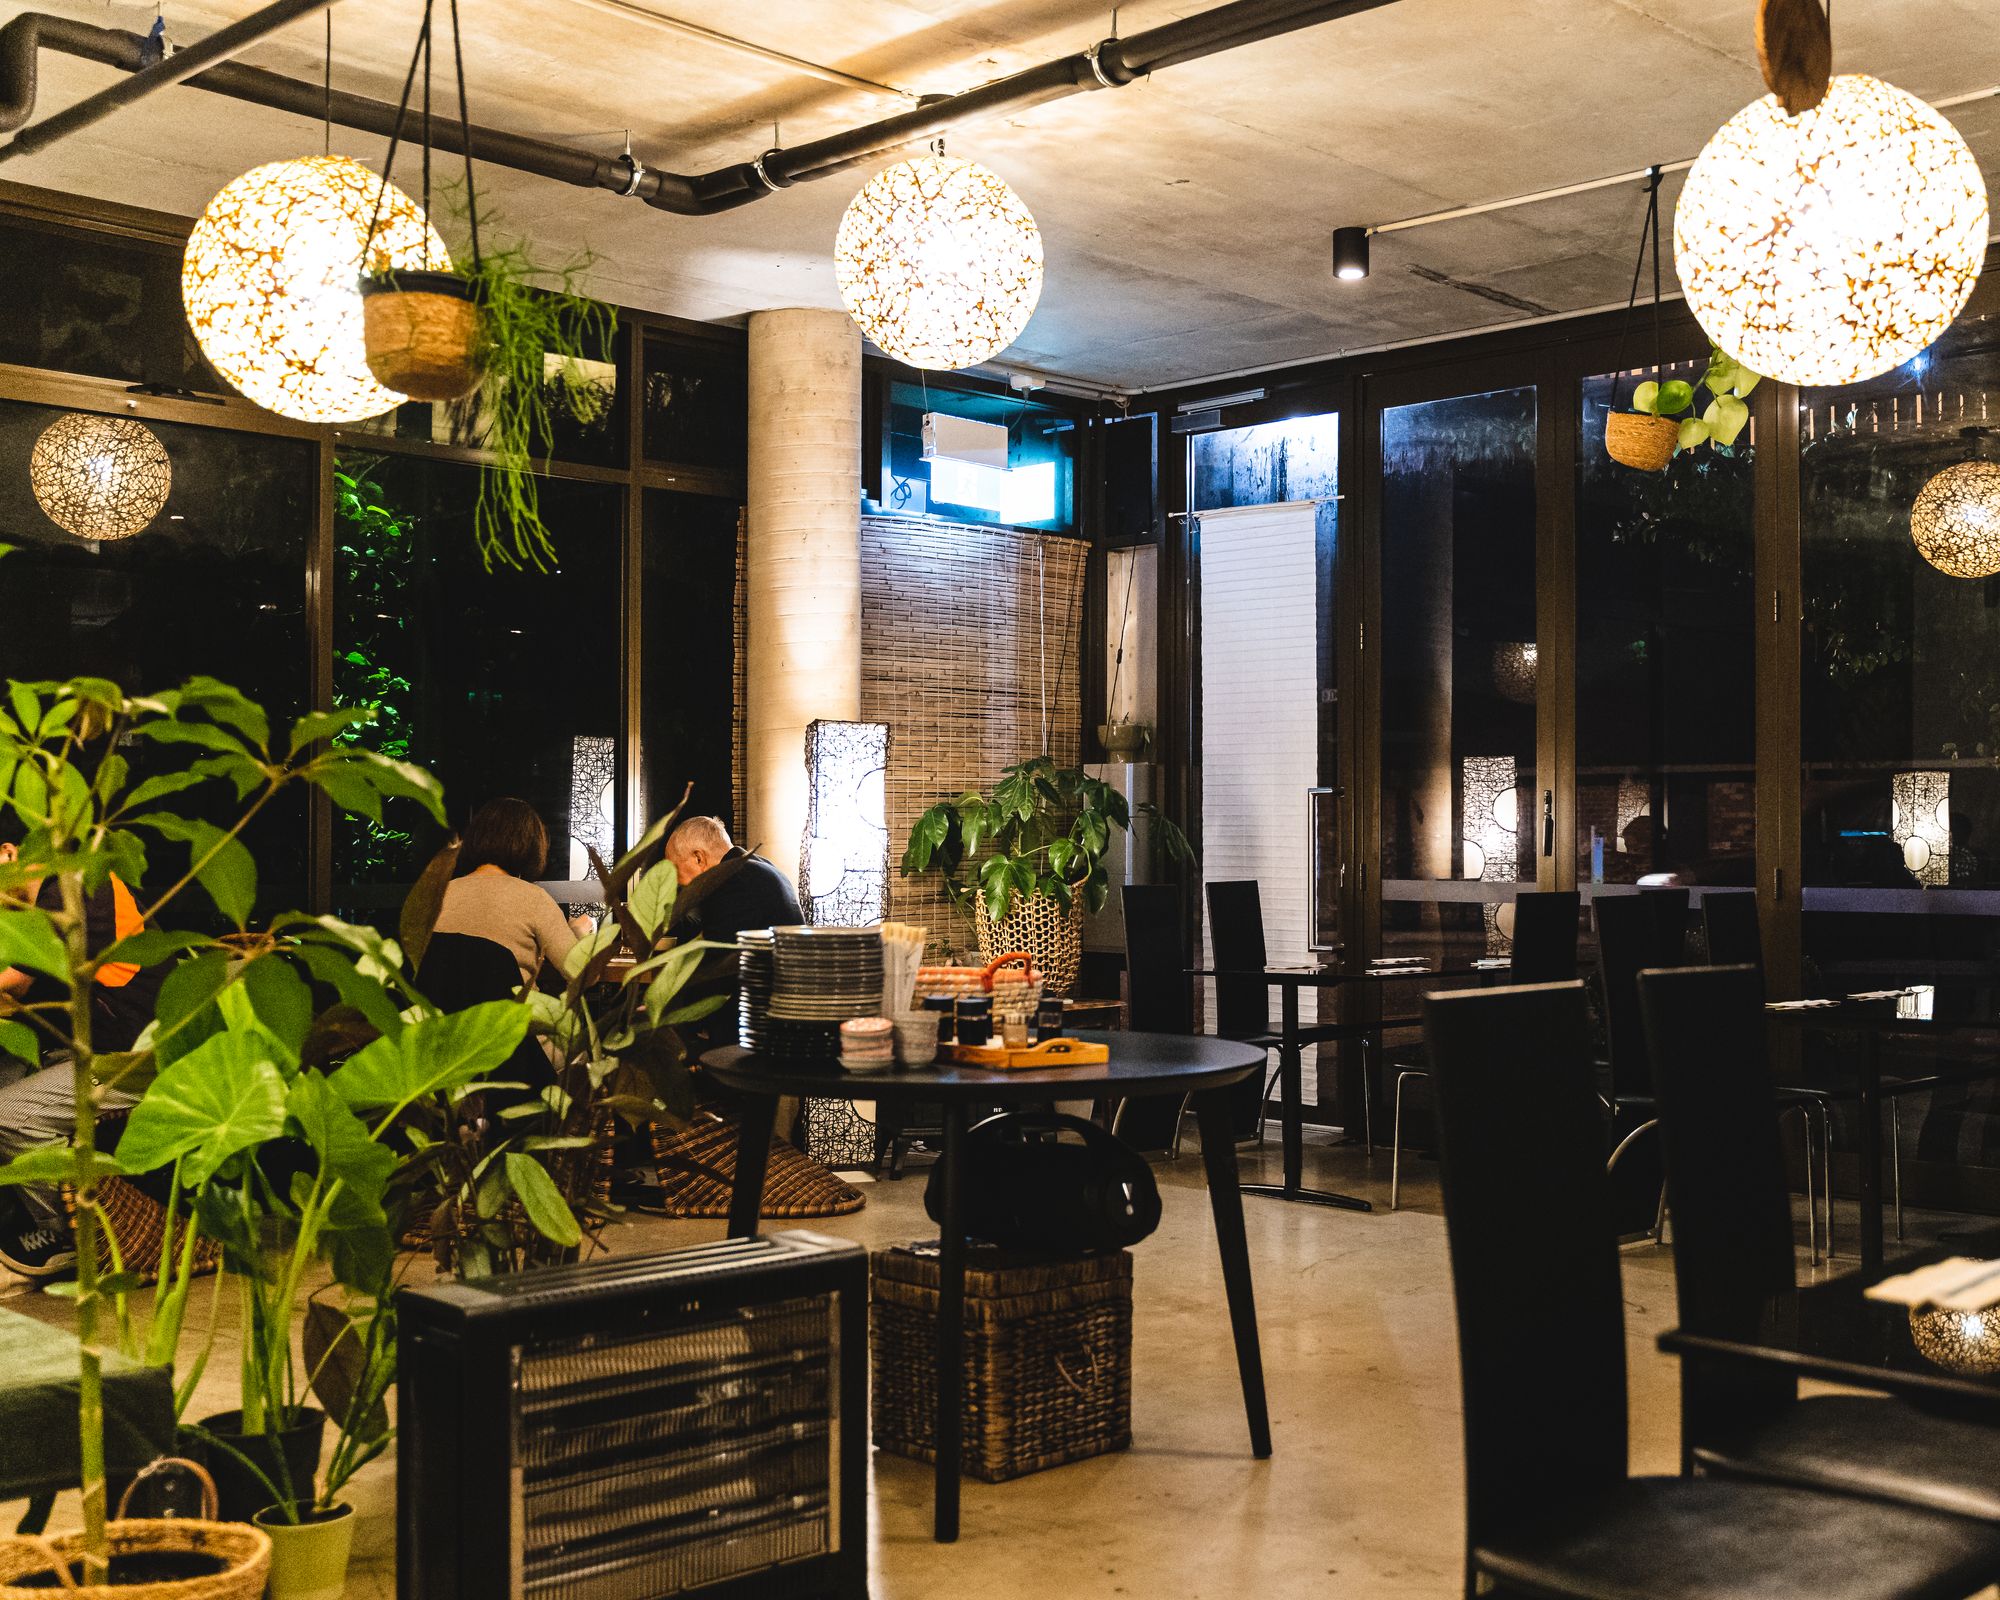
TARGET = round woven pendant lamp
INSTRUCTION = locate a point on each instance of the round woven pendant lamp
(99, 477)
(1956, 520)
(938, 262)
(1831, 246)
(271, 281)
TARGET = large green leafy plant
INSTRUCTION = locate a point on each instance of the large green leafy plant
(235, 1057)
(1046, 829)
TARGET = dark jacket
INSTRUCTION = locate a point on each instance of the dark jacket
(740, 891)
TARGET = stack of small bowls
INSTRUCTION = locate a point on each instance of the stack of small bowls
(867, 1044)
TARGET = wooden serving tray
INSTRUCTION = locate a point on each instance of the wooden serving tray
(1063, 1052)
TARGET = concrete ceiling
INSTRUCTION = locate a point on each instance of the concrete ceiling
(1186, 218)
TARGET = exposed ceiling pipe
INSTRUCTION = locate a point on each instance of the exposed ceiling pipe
(158, 70)
(1112, 63)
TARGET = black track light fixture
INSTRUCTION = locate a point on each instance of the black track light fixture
(1350, 253)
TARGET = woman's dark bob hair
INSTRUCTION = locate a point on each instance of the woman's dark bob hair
(508, 834)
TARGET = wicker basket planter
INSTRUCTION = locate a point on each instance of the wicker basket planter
(1048, 1358)
(1040, 926)
(423, 334)
(1635, 439)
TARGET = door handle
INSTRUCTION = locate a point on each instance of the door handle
(1548, 822)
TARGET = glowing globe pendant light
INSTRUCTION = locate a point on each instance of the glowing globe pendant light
(938, 262)
(1831, 246)
(1956, 520)
(271, 281)
(99, 477)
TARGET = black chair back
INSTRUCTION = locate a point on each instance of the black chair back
(1236, 940)
(1632, 934)
(1545, 925)
(1158, 995)
(1541, 1314)
(1730, 923)
(462, 969)
(1726, 1185)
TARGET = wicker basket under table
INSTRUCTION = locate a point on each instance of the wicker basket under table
(1048, 1357)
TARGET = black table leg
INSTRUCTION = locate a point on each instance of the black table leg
(753, 1155)
(1291, 1080)
(950, 1329)
(1218, 1156)
(1870, 1151)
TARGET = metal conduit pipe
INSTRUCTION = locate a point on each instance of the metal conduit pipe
(160, 71)
(1112, 63)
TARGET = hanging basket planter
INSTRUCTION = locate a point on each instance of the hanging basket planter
(424, 333)
(1635, 439)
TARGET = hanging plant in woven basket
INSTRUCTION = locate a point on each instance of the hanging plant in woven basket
(423, 328)
(1045, 830)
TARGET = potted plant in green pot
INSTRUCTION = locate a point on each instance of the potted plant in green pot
(68, 751)
(1046, 829)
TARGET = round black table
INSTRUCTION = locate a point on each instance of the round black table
(1141, 1064)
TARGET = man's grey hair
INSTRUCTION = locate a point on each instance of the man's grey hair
(706, 834)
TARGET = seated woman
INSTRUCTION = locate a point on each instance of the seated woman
(495, 896)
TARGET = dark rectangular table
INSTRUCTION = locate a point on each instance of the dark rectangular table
(1288, 981)
(1831, 1331)
(1871, 1022)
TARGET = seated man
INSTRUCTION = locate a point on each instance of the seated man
(39, 1109)
(725, 888)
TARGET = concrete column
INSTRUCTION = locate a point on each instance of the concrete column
(804, 565)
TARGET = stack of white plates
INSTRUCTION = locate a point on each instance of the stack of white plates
(755, 981)
(826, 974)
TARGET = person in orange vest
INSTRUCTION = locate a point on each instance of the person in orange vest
(38, 1106)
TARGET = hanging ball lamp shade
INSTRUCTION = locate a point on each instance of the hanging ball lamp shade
(99, 477)
(1956, 520)
(1831, 246)
(271, 281)
(939, 262)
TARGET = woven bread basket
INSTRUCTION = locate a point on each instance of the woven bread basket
(1635, 439)
(423, 334)
(243, 1550)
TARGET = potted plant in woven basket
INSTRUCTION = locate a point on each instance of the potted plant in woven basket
(84, 768)
(505, 336)
(1046, 829)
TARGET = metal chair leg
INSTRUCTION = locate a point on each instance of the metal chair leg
(1396, 1134)
(1812, 1198)
(1367, 1105)
(1896, 1160)
(1264, 1104)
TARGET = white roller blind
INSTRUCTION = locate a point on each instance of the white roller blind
(1260, 718)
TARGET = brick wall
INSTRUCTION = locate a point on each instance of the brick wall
(961, 628)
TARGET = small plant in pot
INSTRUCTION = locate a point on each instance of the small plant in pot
(505, 337)
(1047, 829)
(1654, 430)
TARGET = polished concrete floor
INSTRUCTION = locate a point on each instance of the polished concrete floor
(1362, 1495)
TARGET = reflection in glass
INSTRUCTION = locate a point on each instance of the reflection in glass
(1035, 490)
(1267, 463)
(1665, 659)
(215, 584)
(696, 406)
(1458, 613)
(1959, 1341)
(689, 658)
(502, 682)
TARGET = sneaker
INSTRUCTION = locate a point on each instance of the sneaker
(31, 1248)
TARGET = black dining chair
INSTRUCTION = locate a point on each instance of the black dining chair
(1159, 998)
(1243, 994)
(1733, 1269)
(1647, 929)
(1734, 938)
(1551, 1510)
(462, 969)
(1545, 929)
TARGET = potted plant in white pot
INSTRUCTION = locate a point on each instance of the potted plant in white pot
(1046, 829)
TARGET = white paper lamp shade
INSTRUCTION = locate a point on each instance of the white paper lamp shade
(99, 477)
(938, 262)
(1831, 246)
(271, 281)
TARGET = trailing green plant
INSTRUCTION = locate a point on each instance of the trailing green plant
(1726, 415)
(1046, 829)
(537, 328)
(85, 814)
